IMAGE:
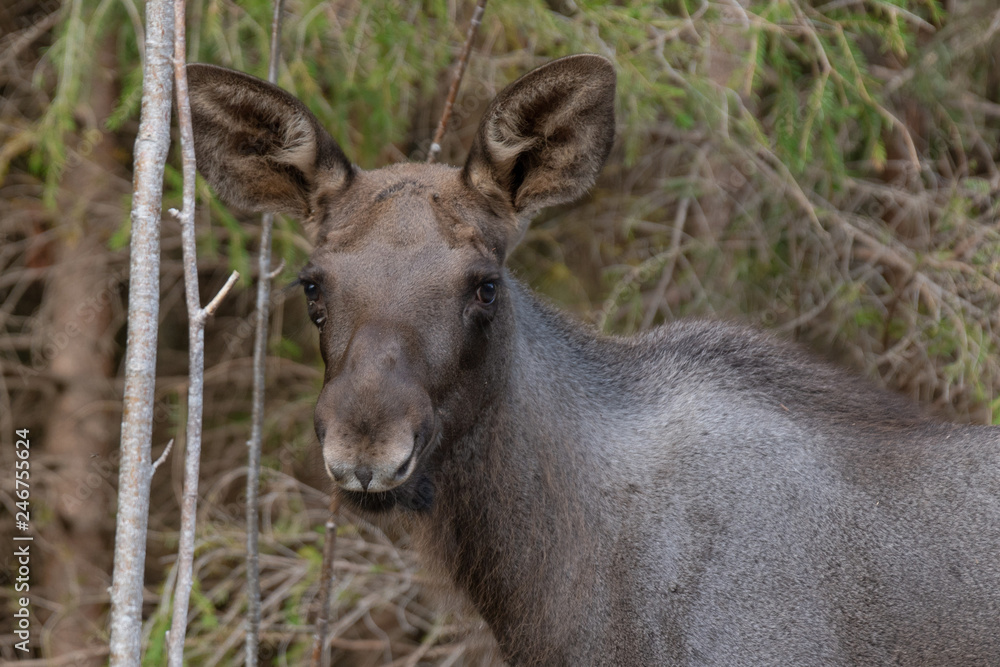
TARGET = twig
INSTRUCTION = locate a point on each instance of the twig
(477, 18)
(163, 455)
(675, 246)
(259, 375)
(151, 147)
(68, 659)
(326, 582)
(414, 658)
(28, 36)
(668, 270)
(277, 270)
(859, 86)
(982, 106)
(209, 310)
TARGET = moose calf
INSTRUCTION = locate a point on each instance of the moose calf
(698, 495)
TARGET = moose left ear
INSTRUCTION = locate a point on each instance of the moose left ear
(545, 137)
(260, 147)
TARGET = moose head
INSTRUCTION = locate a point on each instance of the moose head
(407, 284)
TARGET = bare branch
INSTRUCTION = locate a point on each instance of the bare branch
(196, 354)
(277, 270)
(27, 37)
(463, 60)
(209, 310)
(259, 377)
(134, 476)
(163, 455)
(325, 582)
(680, 218)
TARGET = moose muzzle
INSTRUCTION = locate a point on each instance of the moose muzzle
(373, 418)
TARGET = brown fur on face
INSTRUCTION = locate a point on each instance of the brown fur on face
(398, 266)
(404, 253)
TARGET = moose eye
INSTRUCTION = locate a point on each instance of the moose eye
(486, 293)
(311, 290)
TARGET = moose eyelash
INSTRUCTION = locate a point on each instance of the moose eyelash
(306, 275)
(297, 282)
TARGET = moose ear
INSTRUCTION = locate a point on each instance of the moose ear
(545, 137)
(260, 147)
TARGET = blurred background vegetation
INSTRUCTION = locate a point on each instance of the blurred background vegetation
(823, 168)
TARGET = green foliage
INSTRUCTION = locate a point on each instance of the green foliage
(156, 647)
(86, 23)
(828, 137)
(206, 617)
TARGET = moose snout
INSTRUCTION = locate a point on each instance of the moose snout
(373, 419)
(370, 473)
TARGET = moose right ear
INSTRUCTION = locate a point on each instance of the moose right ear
(260, 147)
(545, 137)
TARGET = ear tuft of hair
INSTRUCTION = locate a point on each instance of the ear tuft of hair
(259, 146)
(545, 137)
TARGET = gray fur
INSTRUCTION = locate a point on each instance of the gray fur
(718, 498)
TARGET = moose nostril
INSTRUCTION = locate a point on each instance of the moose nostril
(401, 470)
(364, 475)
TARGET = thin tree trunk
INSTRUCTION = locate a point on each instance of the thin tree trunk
(134, 476)
(259, 361)
(463, 60)
(197, 316)
(196, 359)
(319, 657)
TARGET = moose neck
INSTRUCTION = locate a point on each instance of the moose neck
(520, 505)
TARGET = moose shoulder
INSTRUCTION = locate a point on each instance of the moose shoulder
(699, 495)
